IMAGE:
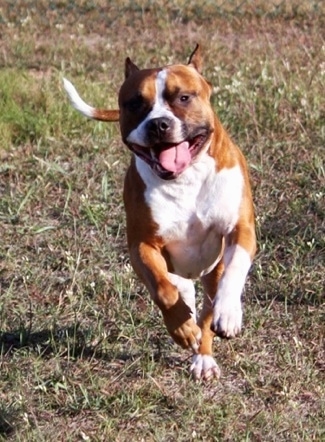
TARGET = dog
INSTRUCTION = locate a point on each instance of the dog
(188, 203)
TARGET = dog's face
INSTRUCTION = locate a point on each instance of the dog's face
(165, 116)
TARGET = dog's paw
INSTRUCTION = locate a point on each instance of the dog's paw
(227, 317)
(181, 325)
(188, 335)
(204, 367)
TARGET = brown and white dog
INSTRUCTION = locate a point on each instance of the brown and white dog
(188, 203)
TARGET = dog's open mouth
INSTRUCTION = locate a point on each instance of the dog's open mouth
(170, 160)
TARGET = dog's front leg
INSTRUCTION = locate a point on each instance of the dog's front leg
(237, 259)
(151, 267)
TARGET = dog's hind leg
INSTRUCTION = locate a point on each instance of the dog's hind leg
(204, 367)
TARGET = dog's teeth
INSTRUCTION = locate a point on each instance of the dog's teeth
(152, 152)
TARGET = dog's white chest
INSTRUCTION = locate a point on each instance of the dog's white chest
(194, 212)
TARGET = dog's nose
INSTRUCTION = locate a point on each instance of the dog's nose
(159, 126)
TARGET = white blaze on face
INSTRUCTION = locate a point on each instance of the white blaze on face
(160, 109)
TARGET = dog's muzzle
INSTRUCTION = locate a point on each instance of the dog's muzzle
(168, 157)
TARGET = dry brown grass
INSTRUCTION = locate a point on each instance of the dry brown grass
(84, 353)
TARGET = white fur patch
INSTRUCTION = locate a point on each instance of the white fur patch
(76, 101)
(194, 212)
(186, 290)
(227, 311)
(159, 110)
(204, 367)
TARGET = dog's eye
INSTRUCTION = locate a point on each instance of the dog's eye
(134, 104)
(184, 98)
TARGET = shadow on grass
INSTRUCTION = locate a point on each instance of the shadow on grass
(73, 342)
(7, 416)
(66, 341)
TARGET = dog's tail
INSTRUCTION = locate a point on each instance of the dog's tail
(84, 108)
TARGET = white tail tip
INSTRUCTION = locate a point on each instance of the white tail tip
(76, 101)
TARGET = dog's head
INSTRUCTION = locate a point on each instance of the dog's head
(165, 115)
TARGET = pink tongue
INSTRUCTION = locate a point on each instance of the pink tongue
(176, 158)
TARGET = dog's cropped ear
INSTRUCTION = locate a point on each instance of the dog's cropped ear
(130, 67)
(196, 59)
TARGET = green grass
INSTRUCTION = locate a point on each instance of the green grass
(84, 354)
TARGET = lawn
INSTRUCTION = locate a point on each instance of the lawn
(84, 354)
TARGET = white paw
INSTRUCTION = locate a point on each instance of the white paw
(204, 367)
(227, 317)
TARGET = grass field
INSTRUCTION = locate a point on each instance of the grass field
(84, 354)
